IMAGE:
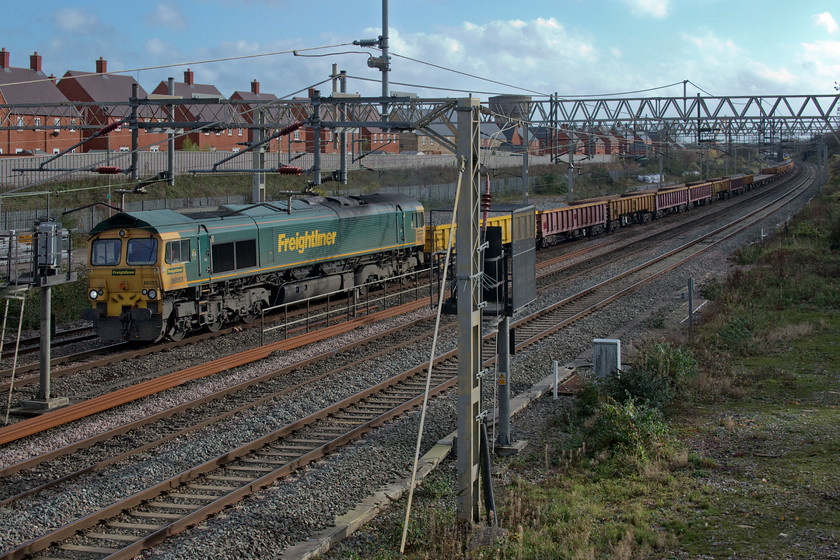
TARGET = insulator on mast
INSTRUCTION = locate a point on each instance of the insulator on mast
(110, 128)
(290, 128)
(108, 170)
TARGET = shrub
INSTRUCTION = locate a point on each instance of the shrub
(748, 254)
(628, 427)
(834, 235)
(713, 290)
(666, 360)
(642, 386)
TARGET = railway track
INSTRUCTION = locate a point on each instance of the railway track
(183, 500)
(32, 344)
(300, 321)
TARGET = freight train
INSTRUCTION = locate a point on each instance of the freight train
(161, 274)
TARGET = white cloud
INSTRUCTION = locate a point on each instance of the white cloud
(826, 21)
(655, 8)
(158, 47)
(167, 15)
(820, 63)
(713, 47)
(540, 54)
(75, 21)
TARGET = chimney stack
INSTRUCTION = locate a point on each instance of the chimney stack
(53, 79)
(255, 86)
(188, 77)
(101, 66)
(35, 62)
(4, 58)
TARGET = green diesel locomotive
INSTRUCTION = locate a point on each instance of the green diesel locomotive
(162, 273)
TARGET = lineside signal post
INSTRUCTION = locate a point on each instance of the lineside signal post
(509, 284)
(47, 264)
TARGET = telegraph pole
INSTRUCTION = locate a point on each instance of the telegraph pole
(469, 316)
(571, 178)
(135, 131)
(170, 138)
(526, 139)
(258, 159)
(386, 67)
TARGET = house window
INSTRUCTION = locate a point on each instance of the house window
(57, 123)
(154, 149)
(230, 132)
(73, 124)
(431, 141)
(124, 149)
(20, 124)
(37, 122)
(56, 150)
(423, 140)
(239, 132)
(18, 150)
(297, 136)
(235, 150)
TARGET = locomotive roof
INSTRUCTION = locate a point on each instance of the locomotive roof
(156, 220)
(150, 220)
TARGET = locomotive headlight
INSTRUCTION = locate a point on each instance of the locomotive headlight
(144, 291)
(93, 294)
(152, 294)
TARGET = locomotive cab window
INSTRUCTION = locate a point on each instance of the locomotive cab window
(177, 251)
(105, 252)
(141, 251)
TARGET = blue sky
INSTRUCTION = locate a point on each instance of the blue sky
(571, 47)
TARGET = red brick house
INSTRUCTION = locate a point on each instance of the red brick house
(374, 138)
(224, 136)
(103, 88)
(251, 100)
(303, 139)
(39, 130)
